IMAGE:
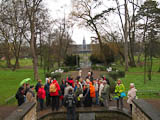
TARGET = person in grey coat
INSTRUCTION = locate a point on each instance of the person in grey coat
(66, 90)
(105, 94)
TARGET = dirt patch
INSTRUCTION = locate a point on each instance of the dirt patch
(6, 111)
(155, 103)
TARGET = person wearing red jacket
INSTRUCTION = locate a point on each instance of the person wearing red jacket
(71, 81)
(55, 95)
(41, 96)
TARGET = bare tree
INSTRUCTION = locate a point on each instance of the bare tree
(12, 17)
(83, 11)
(63, 33)
(31, 12)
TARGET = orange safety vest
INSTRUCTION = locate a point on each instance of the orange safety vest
(92, 91)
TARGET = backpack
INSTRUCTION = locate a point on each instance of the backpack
(70, 101)
(52, 88)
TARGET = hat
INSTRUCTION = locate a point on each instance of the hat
(131, 84)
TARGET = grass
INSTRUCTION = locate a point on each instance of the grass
(23, 62)
(136, 75)
(138, 80)
(9, 81)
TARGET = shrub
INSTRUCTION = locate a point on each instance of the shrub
(66, 69)
(114, 69)
(114, 75)
(112, 82)
(102, 68)
(48, 74)
(94, 67)
(95, 59)
(121, 73)
(72, 68)
(72, 60)
(56, 75)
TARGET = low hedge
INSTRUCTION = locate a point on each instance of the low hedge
(56, 75)
(121, 73)
(101, 68)
(66, 69)
(112, 82)
(114, 75)
(117, 74)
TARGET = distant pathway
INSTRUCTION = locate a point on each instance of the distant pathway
(96, 74)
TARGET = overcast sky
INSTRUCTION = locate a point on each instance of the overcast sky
(57, 8)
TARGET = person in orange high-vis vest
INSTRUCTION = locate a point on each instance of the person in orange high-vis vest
(92, 91)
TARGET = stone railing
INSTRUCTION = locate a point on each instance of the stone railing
(144, 111)
(26, 111)
(90, 113)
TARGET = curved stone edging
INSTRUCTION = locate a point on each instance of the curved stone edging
(99, 112)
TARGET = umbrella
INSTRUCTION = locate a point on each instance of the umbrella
(24, 81)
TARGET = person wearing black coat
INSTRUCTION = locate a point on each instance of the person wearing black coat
(46, 88)
(38, 85)
(20, 96)
(87, 99)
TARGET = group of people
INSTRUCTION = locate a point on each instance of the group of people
(25, 93)
(75, 93)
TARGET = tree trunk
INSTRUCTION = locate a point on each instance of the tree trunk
(132, 37)
(7, 54)
(151, 56)
(33, 50)
(100, 43)
(139, 54)
(125, 37)
(16, 65)
(145, 50)
(139, 58)
(41, 57)
(145, 63)
(8, 61)
(132, 61)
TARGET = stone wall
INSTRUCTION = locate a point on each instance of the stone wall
(99, 114)
(143, 111)
(26, 111)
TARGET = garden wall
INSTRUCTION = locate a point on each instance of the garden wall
(26, 111)
(144, 111)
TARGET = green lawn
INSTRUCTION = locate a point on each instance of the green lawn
(136, 75)
(138, 79)
(23, 62)
(9, 81)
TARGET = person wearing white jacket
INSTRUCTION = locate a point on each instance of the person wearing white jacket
(131, 95)
(101, 87)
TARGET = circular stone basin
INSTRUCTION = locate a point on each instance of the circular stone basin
(86, 114)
